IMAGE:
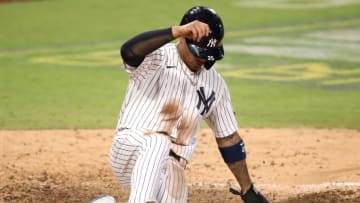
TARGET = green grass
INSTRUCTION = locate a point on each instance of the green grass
(260, 104)
(59, 63)
(51, 22)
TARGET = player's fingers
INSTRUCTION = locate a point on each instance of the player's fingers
(203, 30)
(199, 33)
(194, 33)
(207, 30)
(193, 28)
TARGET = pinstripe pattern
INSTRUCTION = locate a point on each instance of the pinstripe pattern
(173, 188)
(164, 95)
(142, 163)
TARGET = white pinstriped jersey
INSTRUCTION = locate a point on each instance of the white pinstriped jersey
(164, 95)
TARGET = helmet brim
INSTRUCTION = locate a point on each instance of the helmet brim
(209, 54)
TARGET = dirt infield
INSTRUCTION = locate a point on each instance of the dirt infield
(288, 165)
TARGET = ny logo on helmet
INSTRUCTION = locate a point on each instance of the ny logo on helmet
(212, 42)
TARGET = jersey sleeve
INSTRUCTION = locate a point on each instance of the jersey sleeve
(148, 67)
(134, 50)
(222, 119)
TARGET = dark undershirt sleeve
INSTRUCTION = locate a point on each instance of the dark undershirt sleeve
(134, 50)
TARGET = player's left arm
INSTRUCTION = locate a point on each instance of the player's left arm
(237, 164)
(221, 119)
(232, 149)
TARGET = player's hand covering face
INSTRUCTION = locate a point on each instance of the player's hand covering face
(194, 30)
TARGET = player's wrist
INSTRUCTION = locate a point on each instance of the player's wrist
(246, 188)
(175, 31)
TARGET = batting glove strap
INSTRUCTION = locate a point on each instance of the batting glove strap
(251, 196)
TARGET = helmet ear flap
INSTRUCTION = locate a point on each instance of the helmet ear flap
(208, 64)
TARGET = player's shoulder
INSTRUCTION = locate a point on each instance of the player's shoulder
(213, 80)
(169, 47)
(214, 75)
(164, 50)
(162, 54)
(170, 54)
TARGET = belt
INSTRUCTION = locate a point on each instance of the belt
(177, 157)
(150, 132)
(182, 161)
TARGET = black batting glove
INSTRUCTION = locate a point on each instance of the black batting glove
(251, 196)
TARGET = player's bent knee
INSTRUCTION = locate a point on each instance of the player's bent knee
(120, 160)
(233, 153)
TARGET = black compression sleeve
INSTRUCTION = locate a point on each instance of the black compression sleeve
(134, 50)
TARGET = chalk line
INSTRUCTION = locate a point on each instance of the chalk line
(299, 188)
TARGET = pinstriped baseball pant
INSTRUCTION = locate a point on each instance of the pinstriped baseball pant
(142, 162)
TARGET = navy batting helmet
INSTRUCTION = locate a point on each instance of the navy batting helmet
(209, 48)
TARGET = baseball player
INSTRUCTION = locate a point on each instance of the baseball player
(171, 89)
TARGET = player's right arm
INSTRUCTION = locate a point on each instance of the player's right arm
(135, 49)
